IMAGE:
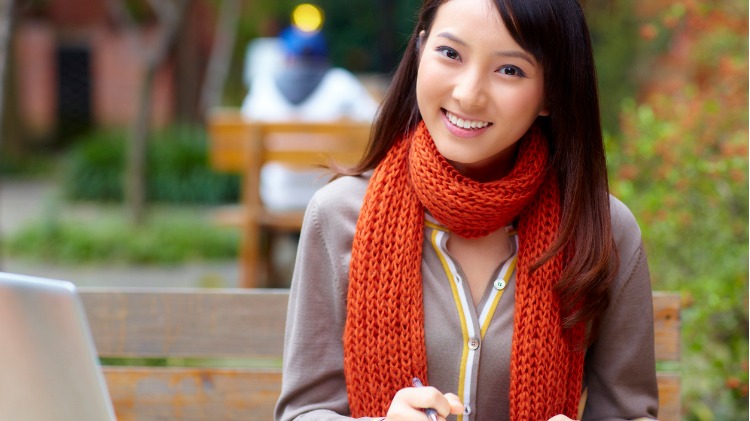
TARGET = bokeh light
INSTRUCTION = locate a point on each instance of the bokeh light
(307, 17)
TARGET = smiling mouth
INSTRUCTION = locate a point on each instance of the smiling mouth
(465, 124)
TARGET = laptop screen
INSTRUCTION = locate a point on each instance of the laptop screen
(48, 360)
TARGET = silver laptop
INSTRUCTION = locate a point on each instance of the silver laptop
(48, 364)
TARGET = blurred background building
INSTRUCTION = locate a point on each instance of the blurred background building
(75, 67)
(78, 64)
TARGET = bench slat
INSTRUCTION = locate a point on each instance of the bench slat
(669, 396)
(186, 323)
(192, 394)
(667, 326)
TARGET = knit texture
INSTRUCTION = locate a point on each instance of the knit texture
(384, 346)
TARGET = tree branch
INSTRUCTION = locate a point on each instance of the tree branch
(120, 14)
(164, 9)
(221, 54)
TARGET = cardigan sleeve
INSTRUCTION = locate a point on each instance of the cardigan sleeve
(620, 369)
(313, 386)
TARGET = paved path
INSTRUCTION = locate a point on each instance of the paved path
(22, 202)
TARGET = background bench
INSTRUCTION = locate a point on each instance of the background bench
(238, 145)
(222, 350)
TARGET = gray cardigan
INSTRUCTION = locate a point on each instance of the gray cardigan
(619, 369)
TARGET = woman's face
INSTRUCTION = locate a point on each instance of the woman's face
(478, 91)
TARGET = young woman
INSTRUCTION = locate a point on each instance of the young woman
(475, 246)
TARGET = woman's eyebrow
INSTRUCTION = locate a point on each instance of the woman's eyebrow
(452, 37)
(512, 53)
(517, 54)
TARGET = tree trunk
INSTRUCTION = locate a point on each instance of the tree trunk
(189, 70)
(136, 171)
(6, 23)
(221, 55)
(135, 192)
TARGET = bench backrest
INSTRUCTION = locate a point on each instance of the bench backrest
(220, 351)
(236, 143)
(239, 145)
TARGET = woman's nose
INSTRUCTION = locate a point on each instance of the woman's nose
(470, 90)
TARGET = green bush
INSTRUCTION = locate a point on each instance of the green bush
(168, 237)
(177, 169)
(689, 191)
(26, 165)
(681, 165)
(94, 168)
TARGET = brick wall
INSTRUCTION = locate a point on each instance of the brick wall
(117, 69)
(76, 13)
(116, 73)
(115, 64)
(36, 78)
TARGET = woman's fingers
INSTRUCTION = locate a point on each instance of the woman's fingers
(409, 404)
(456, 406)
(560, 417)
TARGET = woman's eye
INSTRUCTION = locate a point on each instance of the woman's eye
(449, 52)
(512, 71)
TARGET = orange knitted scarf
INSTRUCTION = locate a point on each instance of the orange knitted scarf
(384, 343)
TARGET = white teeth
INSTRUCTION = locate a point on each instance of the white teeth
(466, 124)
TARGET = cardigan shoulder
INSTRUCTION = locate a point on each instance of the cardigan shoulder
(627, 237)
(341, 198)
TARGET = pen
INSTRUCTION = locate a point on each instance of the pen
(430, 412)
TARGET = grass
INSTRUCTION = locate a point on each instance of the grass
(251, 363)
(103, 235)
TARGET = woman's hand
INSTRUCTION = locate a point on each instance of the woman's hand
(560, 417)
(409, 404)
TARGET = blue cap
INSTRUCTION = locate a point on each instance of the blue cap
(299, 43)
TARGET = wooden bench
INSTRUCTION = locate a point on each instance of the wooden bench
(222, 350)
(238, 145)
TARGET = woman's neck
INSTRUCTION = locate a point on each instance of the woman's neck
(491, 169)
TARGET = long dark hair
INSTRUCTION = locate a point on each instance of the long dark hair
(556, 34)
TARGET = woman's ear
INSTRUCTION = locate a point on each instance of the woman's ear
(420, 39)
(544, 112)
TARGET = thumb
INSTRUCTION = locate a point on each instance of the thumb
(457, 406)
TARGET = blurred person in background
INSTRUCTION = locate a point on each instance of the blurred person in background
(305, 87)
(291, 79)
(299, 84)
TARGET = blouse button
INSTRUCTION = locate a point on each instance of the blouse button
(467, 409)
(473, 343)
(500, 284)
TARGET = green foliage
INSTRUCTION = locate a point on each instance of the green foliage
(95, 167)
(356, 40)
(177, 169)
(613, 29)
(26, 165)
(180, 171)
(363, 44)
(255, 363)
(693, 210)
(681, 165)
(168, 237)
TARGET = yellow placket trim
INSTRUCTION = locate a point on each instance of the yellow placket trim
(506, 273)
(459, 297)
(435, 241)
